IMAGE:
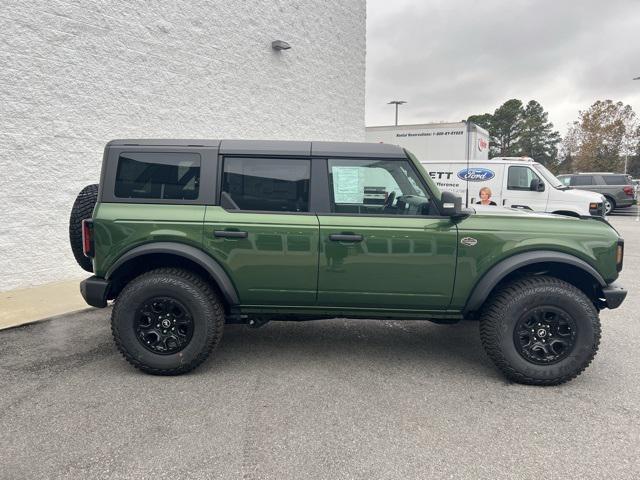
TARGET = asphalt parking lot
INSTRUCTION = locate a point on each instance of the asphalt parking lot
(325, 399)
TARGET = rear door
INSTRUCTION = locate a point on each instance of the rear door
(262, 232)
(388, 251)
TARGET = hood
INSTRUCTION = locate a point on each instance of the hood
(516, 212)
(585, 195)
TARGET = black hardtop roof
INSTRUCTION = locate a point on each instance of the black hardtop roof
(275, 147)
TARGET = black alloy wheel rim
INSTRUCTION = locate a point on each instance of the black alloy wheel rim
(545, 335)
(163, 325)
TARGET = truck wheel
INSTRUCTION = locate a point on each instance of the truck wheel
(82, 209)
(540, 331)
(609, 205)
(167, 321)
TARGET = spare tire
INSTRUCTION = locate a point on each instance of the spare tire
(82, 208)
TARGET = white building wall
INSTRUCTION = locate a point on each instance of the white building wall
(77, 73)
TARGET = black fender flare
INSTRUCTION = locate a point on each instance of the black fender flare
(194, 254)
(496, 273)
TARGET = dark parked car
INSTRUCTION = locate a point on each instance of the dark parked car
(617, 188)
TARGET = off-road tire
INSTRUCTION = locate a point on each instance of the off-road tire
(191, 290)
(82, 209)
(500, 317)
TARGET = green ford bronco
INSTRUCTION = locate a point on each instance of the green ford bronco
(187, 235)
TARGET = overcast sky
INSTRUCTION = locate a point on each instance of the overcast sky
(452, 58)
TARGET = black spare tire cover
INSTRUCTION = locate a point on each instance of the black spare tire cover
(82, 209)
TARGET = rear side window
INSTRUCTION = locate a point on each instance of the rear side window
(520, 178)
(166, 176)
(616, 180)
(266, 184)
(581, 180)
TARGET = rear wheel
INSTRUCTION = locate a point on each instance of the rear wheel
(167, 321)
(540, 331)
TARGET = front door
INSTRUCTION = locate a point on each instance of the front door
(384, 246)
(263, 234)
(518, 193)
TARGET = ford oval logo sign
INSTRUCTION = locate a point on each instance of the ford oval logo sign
(476, 174)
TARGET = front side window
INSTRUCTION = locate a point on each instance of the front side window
(520, 178)
(565, 181)
(377, 187)
(581, 180)
(266, 184)
(162, 176)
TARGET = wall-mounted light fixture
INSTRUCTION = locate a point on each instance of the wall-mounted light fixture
(280, 45)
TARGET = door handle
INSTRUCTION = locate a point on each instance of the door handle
(343, 237)
(229, 234)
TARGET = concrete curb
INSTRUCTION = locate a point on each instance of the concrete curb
(43, 320)
(29, 305)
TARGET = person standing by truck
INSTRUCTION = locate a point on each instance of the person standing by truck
(485, 197)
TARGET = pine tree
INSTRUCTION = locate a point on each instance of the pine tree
(537, 139)
(521, 131)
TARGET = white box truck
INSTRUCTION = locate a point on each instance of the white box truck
(512, 182)
(436, 141)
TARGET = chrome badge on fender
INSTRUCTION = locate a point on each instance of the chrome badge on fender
(469, 241)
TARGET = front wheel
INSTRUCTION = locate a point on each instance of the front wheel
(167, 321)
(540, 330)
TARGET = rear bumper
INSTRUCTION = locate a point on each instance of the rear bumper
(614, 295)
(94, 290)
(625, 202)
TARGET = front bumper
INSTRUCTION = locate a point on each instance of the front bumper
(614, 295)
(94, 290)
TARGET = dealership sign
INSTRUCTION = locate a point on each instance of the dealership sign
(476, 174)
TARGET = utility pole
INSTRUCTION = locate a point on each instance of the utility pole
(396, 103)
(626, 161)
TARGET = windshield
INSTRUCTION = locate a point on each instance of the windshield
(548, 176)
(427, 178)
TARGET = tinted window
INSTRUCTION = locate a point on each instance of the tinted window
(520, 178)
(173, 176)
(582, 180)
(616, 179)
(267, 184)
(376, 187)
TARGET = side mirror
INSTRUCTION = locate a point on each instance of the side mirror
(536, 186)
(451, 204)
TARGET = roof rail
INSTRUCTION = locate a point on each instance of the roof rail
(518, 159)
